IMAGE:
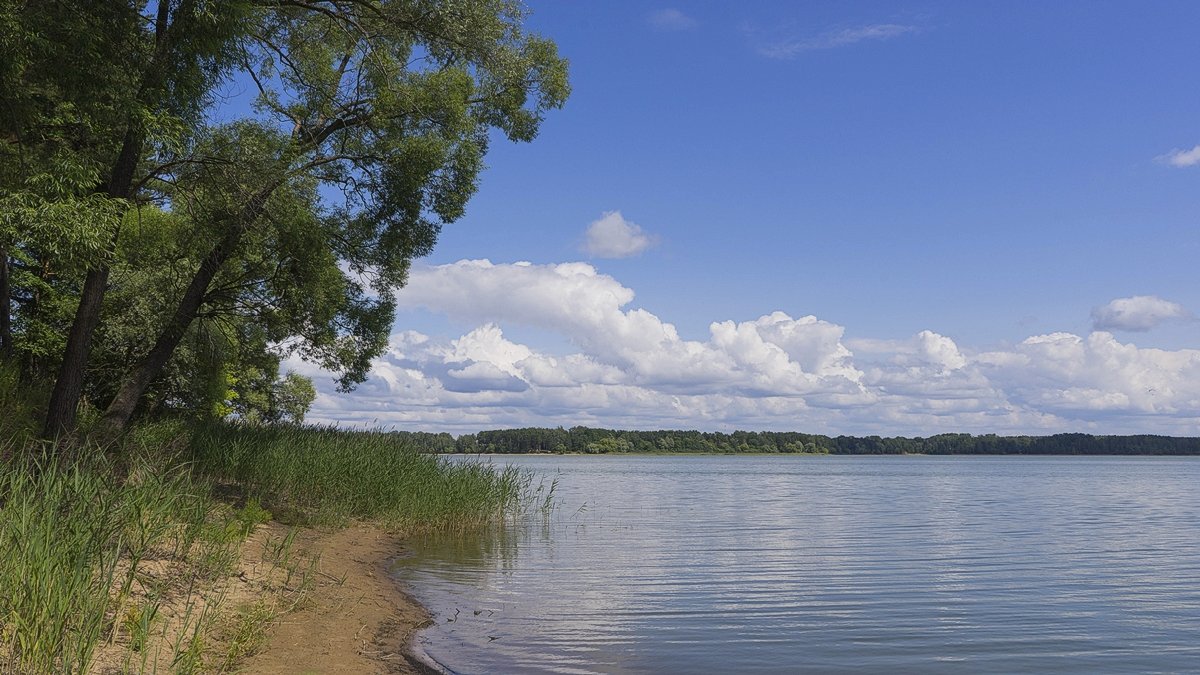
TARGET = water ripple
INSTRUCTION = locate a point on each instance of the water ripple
(829, 564)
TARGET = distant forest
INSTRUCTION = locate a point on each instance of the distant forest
(586, 440)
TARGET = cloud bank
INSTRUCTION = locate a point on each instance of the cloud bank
(628, 368)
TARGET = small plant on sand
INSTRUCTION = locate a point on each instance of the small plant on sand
(138, 622)
(249, 632)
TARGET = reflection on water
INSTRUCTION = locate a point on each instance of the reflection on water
(828, 564)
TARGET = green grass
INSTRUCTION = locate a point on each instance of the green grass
(324, 476)
(73, 534)
(77, 525)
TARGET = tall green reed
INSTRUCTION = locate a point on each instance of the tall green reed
(58, 524)
(331, 474)
(75, 526)
(74, 530)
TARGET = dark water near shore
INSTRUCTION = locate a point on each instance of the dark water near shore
(718, 564)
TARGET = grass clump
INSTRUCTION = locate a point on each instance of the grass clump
(249, 631)
(326, 475)
(59, 547)
(77, 536)
(113, 558)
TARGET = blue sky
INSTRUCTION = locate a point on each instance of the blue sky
(972, 217)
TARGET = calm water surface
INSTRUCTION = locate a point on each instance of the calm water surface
(715, 564)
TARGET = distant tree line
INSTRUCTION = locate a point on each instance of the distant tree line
(586, 440)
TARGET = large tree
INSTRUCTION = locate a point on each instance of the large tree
(373, 121)
(89, 90)
(370, 122)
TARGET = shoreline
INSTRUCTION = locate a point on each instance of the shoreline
(812, 454)
(355, 619)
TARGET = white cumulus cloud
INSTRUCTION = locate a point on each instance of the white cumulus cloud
(774, 353)
(611, 236)
(1077, 376)
(1181, 158)
(1139, 313)
(940, 351)
(626, 367)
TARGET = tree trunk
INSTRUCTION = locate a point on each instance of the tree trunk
(5, 307)
(68, 386)
(134, 385)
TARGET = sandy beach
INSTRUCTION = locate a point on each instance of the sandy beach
(356, 619)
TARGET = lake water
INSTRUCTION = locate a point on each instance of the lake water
(727, 564)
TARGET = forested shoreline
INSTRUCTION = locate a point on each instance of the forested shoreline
(585, 440)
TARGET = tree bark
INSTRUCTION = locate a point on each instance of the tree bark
(117, 416)
(5, 307)
(68, 386)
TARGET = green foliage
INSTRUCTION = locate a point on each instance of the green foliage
(79, 76)
(20, 404)
(373, 123)
(250, 516)
(62, 108)
(230, 246)
(88, 91)
(293, 396)
(75, 232)
(224, 366)
(50, 237)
